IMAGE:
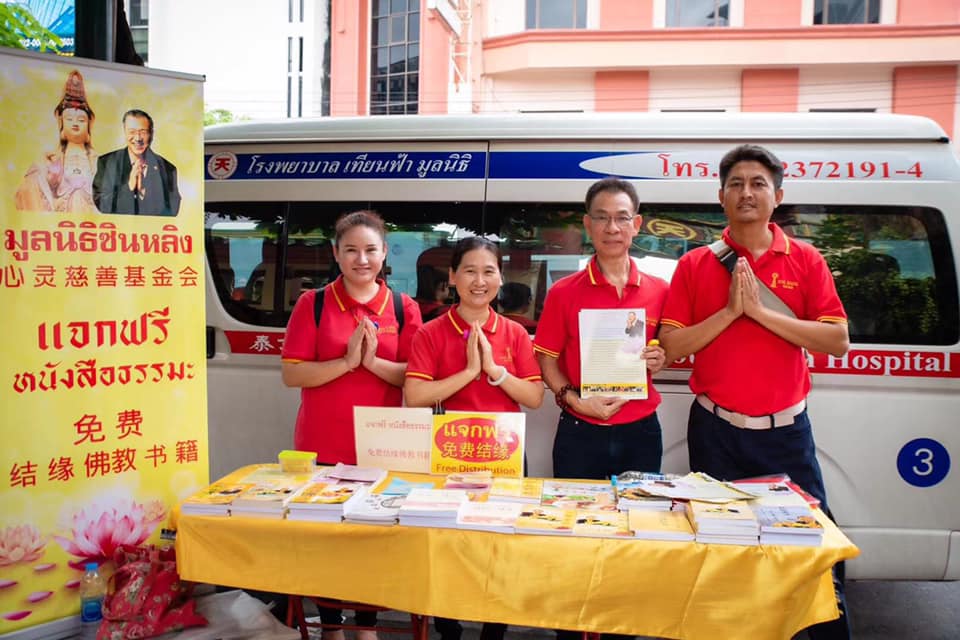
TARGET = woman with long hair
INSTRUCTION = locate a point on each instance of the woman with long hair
(355, 354)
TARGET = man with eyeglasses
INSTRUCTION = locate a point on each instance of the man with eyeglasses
(136, 180)
(601, 436)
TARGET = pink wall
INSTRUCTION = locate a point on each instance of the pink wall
(927, 91)
(617, 15)
(349, 50)
(621, 90)
(763, 13)
(769, 89)
(435, 50)
(928, 12)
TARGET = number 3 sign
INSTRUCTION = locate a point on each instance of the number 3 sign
(923, 462)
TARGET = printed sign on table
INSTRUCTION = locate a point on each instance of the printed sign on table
(393, 438)
(465, 441)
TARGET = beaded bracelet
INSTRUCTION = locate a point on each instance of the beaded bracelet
(561, 396)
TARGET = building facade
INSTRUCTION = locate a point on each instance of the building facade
(298, 58)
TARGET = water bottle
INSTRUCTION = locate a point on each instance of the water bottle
(92, 590)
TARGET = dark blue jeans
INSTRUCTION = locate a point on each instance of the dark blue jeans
(582, 449)
(727, 452)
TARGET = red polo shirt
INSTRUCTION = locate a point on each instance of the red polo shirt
(325, 419)
(439, 351)
(558, 333)
(748, 368)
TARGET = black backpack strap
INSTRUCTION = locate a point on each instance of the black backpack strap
(397, 309)
(318, 305)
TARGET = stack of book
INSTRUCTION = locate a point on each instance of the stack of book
(602, 524)
(788, 525)
(649, 524)
(373, 508)
(632, 495)
(352, 473)
(263, 501)
(214, 500)
(500, 517)
(432, 507)
(324, 500)
(476, 481)
(566, 494)
(549, 521)
(727, 523)
(776, 490)
(522, 490)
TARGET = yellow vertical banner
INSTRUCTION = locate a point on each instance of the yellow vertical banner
(103, 413)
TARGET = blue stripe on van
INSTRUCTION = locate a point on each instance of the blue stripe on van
(466, 165)
(545, 165)
(373, 165)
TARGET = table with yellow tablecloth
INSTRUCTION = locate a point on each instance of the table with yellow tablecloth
(636, 587)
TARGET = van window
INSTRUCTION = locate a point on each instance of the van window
(893, 266)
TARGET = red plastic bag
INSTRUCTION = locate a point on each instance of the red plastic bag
(145, 597)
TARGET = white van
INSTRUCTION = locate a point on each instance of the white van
(879, 195)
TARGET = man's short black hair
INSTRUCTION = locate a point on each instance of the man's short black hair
(613, 185)
(752, 153)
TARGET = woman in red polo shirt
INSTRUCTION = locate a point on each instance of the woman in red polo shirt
(356, 353)
(472, 358)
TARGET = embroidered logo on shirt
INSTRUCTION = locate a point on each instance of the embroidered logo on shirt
(777, 282)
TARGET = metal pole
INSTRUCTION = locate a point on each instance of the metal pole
(96, 29)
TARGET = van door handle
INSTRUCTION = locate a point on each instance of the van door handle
(211, 342)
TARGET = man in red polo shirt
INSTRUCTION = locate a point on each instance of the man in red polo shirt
(750, 374)
(602, 436)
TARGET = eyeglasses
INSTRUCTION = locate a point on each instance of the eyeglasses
(623, 222)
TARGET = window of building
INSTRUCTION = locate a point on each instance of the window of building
(138, 17)
(395, 57)
(697, 13)
(846, 12)
(556, 14)
(893, 265)
(294, 77)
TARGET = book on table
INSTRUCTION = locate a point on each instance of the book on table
(725, 523)
(500, 517)
(523, 490)
(602, 524)
(264, 501)
(551, 521)
(649, 524)
(779, 489)
(788, 525)
(568, 494)
(469, 480)
(432, 507)
(401, 487)
(374, 508)
(353, 473)
(693, 486)
(214, 500)
(325, 500)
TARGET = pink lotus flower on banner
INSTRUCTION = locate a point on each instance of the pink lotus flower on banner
(97, 530)
(20, 543)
